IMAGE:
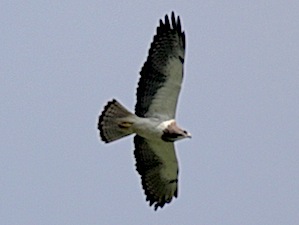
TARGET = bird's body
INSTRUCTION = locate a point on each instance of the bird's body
(150, 128)
(154, 119)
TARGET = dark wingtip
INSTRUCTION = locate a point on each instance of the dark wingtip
(167, 23)
(174, 25)
(172, 22)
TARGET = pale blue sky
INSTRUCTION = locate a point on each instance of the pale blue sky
(61, 61)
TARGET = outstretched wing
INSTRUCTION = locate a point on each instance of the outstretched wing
(157, 164)
(162, 73)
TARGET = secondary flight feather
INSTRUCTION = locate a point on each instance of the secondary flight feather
(154, 122)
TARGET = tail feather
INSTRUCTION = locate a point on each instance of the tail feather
(115, 122)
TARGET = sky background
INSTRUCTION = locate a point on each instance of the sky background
(61, 61)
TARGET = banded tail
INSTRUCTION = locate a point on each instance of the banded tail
(115, 122)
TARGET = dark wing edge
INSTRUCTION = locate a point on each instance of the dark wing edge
(158, 189)
(168, 38)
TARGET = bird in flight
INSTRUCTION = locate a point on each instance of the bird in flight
(154, 122)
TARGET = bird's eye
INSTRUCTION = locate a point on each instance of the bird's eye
(185, 132)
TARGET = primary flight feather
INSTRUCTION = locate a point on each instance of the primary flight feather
(154, 119)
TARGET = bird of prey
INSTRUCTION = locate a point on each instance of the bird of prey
(154, 119)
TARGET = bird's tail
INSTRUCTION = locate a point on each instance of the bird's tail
(115, 122)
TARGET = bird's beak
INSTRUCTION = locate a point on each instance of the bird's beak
(189, 135)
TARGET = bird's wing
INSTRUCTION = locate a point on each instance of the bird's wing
(157, 164)
(162, 73)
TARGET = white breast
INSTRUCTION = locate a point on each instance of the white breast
(150, 128)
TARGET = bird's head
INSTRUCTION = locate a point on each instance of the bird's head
(173, 133)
